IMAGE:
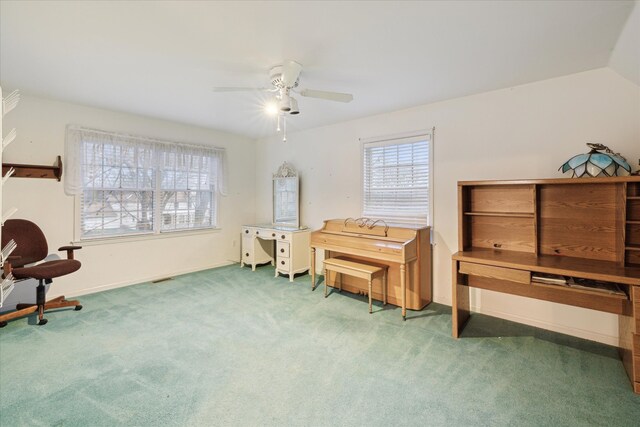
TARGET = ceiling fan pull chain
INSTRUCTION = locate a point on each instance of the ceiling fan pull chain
(284, 127)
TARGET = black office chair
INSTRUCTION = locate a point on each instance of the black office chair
(32, 248)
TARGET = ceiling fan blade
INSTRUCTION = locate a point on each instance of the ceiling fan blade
(290, 72)
(331, 96)
(242, 89)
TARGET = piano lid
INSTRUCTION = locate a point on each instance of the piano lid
(368, 228)
(383, 242)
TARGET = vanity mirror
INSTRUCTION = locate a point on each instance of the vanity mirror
(286, 197)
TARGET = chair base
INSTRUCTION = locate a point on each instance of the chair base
(26, 309)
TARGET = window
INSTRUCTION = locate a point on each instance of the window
(133, 185)
(397, 178)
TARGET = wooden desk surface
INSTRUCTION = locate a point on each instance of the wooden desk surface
(576, 267)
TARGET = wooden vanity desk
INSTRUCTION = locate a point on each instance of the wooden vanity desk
(511, 231)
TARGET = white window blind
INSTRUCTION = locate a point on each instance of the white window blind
(118, 182)
(135, 185)
(186, 196)
(396, 179)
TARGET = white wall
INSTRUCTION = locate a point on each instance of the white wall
(522, 132)
(625, 58)
(41, 132)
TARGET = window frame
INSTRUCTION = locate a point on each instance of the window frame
(389, 140)
(156, 230)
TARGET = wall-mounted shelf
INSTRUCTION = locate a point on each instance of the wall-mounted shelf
(35, 171)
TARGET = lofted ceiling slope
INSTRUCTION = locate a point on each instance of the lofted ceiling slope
(161, 59)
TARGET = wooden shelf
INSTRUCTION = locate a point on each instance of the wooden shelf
(631, 180)
(502, 214)
(612, 295)
(632, 248)
(633, 222)
(35, 171)
(633, 197)
(609, 303)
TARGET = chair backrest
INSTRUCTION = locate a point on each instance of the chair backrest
(32, 244)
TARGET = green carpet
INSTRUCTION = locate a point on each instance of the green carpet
(233, 347)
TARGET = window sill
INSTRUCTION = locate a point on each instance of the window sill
(143, 237)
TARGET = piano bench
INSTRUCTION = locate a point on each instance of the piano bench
(359, 270)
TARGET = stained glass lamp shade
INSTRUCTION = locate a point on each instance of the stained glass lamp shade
(597, 164)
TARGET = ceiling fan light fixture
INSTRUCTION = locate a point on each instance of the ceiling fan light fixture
(271, 108)
(285, 103)
(294, 106)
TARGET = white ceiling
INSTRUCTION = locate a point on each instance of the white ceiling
(161, 59)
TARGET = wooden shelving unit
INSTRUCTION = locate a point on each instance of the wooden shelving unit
(6, 278)
(632, 225)
(579, 228)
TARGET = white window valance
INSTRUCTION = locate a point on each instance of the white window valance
(151, 154)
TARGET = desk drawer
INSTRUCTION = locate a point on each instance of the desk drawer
(283, 249)
(283, 236)
(283, 264)
(491, 272)
(264, 234)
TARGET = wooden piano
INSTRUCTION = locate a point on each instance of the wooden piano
(405, 250)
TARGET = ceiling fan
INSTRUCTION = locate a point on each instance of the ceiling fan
(285, 79)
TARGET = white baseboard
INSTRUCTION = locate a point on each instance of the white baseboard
(102, 288)
(568, 330)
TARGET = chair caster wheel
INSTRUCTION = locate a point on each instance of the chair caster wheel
(43, 322)
(78, 308)
(3, 324)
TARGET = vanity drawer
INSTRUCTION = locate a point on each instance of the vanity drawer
(491, 272)
(282, 249)
(283, 264)
(283, 237)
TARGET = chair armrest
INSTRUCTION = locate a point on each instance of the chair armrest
(69, 250)
(8, 267)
